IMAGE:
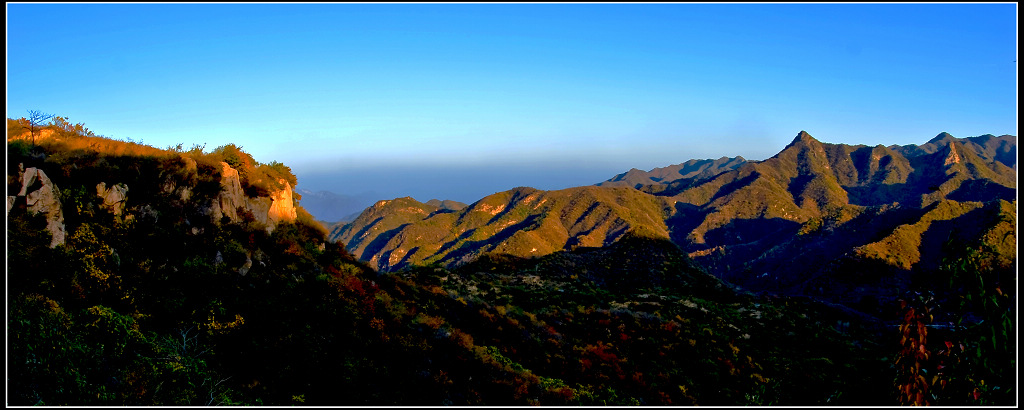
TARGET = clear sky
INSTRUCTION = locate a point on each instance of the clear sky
(458, 101)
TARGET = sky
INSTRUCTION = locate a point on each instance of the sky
(458, 101)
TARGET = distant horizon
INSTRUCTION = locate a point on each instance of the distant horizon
(370, 182)
(453, 101)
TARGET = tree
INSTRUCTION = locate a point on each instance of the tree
(36, 119)
(66, 129)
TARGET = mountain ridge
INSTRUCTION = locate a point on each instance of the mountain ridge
(743, 220)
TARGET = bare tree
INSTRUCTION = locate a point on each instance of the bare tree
(36, 119)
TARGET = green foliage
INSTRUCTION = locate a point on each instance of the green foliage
(958, 340)
(985, 313)
(235, 157)
(256, 179)
(65, 129)
(275, 168)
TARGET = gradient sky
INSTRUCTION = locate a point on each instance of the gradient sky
(458, 101)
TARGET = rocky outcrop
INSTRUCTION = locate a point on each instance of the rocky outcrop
(181, 187)
(114, 197)
(41, 196)
(231, 196)
(270, 211)
(283, 206)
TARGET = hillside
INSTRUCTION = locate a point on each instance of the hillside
(522, 222)
(798, 223)
(801, 221)
(182, 279)
(689, 172)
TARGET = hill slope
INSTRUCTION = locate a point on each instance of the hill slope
(524, 221)
(689, 172)
(797, 223)
(815, 211)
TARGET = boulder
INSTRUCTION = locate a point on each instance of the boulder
(42, 197)
(113, 197)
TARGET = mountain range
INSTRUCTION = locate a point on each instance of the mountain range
(847, 222)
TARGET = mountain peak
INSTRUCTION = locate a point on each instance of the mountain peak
(942, 137)
(804, 137)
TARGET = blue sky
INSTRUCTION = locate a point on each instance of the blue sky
(459, 101)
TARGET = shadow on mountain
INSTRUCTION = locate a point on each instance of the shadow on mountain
(808, 255)
(441, 211)
(735, 186)
(367, 227)
(381, 241)
(518, 194)
(452, 243)
(633, 263)
(686, 218)
(742, 231)
(867, 285)
(948, 240)
(879, 194)
(406, 259)
(468, 250)
(650, 263)
(982, 190)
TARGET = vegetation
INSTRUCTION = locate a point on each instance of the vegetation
(75, 146)
(522, 222)
(841, 222)
(165, 305)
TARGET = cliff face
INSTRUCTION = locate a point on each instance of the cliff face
(282, 206)
(231, 197)
(40, 196)
(131, 180)
(278, 207)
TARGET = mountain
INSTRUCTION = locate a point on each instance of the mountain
(804, 220)
(332, 207)
(521, 222)
(689, 172)
(446, 204)
(1002, 149)
(801, 222)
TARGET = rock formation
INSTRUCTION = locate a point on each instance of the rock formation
(113, 197)
(279, 207)
(42, 197)
(283, 206)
